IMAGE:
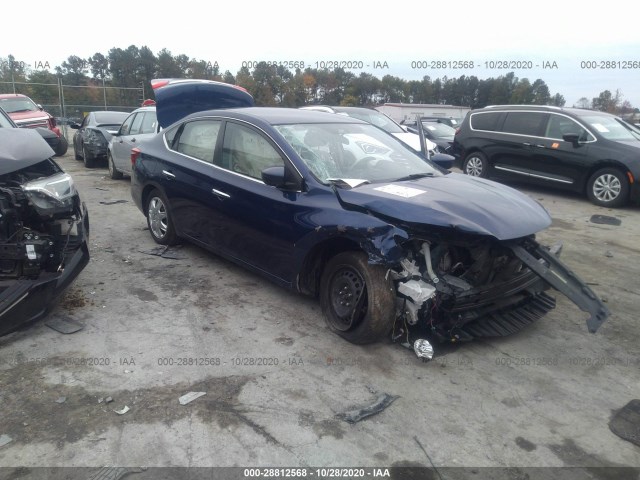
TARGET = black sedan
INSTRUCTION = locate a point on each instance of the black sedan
(331, 206)
(92, 137)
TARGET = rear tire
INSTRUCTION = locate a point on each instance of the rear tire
(608, 187)
(114, 173)
(62, 147)
(476, 165)
(357, 301)
(89, 161)
(159, 219)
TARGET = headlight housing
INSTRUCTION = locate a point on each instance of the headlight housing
(51, 195)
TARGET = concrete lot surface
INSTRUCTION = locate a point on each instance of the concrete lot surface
(275, 377)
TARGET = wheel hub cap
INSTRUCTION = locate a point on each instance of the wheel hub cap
(607, 188)
(157, 218)
(474, 167)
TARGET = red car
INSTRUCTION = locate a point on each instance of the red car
(27, 114)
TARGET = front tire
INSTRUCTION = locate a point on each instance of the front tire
(357, 300)
(114, 173)
(476, 165)
(159, 219)
(608, 187)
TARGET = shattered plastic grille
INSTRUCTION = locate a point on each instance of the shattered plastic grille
(501, 324)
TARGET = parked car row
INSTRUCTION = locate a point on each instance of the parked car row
(327, 205)
(589, 152)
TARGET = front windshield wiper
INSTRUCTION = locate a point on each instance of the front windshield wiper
(415, 176)
(347, 182)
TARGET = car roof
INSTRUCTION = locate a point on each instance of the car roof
(277, 116)
(579, 112)
(12, 95)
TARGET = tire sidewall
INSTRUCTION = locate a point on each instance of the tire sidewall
(380, 315)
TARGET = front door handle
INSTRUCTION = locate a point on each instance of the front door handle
(219, 194)
(169, 175)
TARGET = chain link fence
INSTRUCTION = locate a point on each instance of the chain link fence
(70, 103)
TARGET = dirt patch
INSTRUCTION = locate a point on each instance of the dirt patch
(38, 418)
(72, 299)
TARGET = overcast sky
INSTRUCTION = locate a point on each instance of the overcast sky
(486, 33)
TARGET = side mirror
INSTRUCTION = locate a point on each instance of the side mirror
(40, 107)
(280, 178)
(75, 126)
(571, 138)
(443, 160)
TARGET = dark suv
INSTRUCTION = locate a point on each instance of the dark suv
(586, 151)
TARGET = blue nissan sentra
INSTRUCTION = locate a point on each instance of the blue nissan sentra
(334, 207)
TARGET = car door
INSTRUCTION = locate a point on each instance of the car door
(121, 151)
(558, 161)
(520, 139)
(261, 222)
(142, 128)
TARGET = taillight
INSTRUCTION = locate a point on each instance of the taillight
(135, 153)
(457, 130)
(52, 122)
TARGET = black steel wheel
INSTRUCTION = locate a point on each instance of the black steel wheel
(357, 301)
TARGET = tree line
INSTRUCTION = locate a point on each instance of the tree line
(273, 85)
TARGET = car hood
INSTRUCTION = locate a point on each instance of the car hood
(179, 98)
(21, 148)
(456, 201)
(413, 140)
(30, 115)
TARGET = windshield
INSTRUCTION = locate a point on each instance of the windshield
(354, 151)
(107, 119)
(376, 118)
(4, 120)
(18, 104)
(439, 130)
(611, 128)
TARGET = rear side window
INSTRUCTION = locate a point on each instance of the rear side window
(485, 121)
(525, 123)
(148, 123)
(198, 139)
(135, 126)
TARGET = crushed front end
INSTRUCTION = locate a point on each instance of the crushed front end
(457, 290)
(43, 237)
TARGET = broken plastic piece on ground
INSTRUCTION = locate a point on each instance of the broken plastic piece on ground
(113, 202)
(124, 410)
(4, 440)
(626, 422)
(423, 349)
(605, 220)
(190, 397)
(108, 400)
(164, 252)
(61, 399)
(382, 402)
(64, 324)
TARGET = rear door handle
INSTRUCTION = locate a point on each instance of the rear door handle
(219, 194)
(169, 175)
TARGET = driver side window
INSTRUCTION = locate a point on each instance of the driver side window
(248, 152)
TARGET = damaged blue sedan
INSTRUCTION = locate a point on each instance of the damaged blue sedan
(333, 207)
